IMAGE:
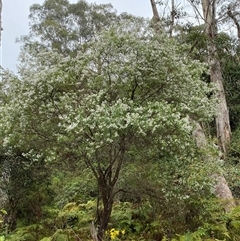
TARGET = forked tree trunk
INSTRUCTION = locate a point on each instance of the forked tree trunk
(106, 179)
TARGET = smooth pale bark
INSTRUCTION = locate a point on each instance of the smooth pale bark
(93, 232)
(156, 19)
(222, 119)
(199, 135)
(223, 128)
(222, 191)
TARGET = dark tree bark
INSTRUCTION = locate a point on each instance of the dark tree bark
(106, 178)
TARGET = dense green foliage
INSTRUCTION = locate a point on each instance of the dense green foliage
(96, 131)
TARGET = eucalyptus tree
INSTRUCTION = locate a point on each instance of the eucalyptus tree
(228, 12)
(222, 120)
(227, 47)
(156, 18)
(222, 117)
(214, 15)
(126, 90)
(65, 26)
(172, 15)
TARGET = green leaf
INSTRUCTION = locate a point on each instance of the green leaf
(4, 212)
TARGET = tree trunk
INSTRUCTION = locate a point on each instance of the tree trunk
(222, 191)
(222, 119)
(11, 217)
(157, 25)
(223, 128)
(106, 192)
(107, 179)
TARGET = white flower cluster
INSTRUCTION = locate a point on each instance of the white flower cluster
(125, 86)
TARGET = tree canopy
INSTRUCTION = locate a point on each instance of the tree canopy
(124, 91)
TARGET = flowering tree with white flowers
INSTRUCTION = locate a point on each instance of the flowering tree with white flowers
(124, 90)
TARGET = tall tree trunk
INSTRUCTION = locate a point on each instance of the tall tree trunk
(157, 24)
(106, 178)
(222, 119)
(222, 191)
(223, 128)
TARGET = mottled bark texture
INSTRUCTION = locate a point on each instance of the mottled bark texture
(222, 119)
(157, 25)
(221, 188)
(222, 191)
(223, 128)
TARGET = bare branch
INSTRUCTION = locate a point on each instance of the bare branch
(233, 17)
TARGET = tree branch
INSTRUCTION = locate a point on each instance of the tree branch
(233, 17)
(156, 19)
